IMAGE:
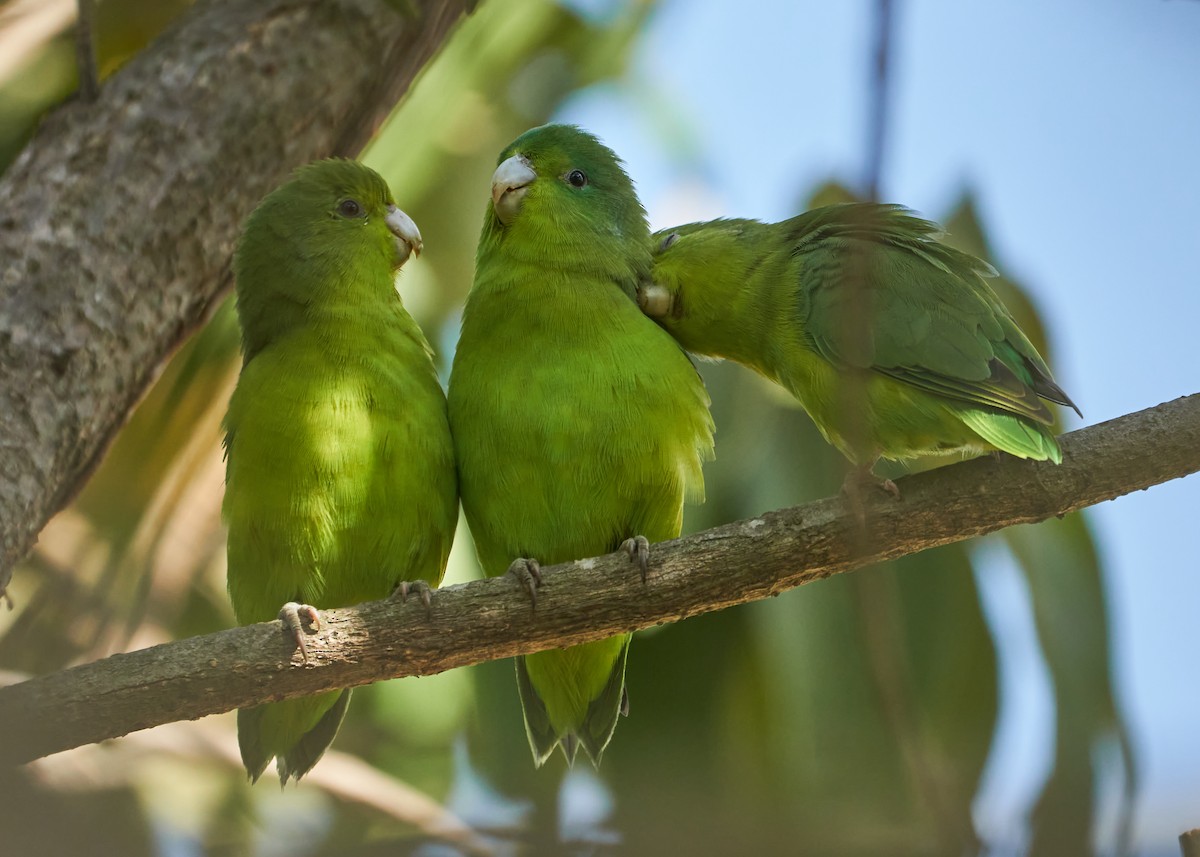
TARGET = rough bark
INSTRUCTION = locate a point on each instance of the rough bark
(594, 598)
(1189, 843)
(118, 219)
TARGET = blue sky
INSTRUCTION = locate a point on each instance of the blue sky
(1077, 124)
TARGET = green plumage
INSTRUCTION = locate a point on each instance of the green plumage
(577, 422)
(943, 366)
(340, 479)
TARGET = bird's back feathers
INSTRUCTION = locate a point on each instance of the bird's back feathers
(867, 291)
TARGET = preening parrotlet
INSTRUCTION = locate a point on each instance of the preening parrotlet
(861, 298)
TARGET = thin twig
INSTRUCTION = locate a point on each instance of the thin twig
(884, 635)
(346, 777)
(85, 51)
(877, 109)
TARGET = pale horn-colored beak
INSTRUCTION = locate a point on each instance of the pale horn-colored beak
(509, 185)
(655, 301)
(408, 236)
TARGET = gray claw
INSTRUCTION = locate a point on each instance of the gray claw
(293, 615)
(858, 483)
(638, 549)
(406, 587)
(528, 573)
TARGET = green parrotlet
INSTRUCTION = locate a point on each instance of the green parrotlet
(579, 425)
(938, 363)
(340, 479)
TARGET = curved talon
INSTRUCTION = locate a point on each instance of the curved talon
(406, 587)
(856, 485)
(638, 549)
(528, 573)
(293, 615)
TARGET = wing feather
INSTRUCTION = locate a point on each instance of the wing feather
(932, 320)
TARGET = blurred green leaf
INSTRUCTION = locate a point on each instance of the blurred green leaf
(1062, 565)
(1092, 743)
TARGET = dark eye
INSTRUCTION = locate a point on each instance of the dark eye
(576, 178)
(349, 208)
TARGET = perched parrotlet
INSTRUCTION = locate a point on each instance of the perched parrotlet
(340, 481)
(861, 297)
(579, 425)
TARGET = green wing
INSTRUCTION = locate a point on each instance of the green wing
(933, 322)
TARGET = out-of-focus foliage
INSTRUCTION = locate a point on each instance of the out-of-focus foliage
(1065, 576)
(851, 717)
(37, 46)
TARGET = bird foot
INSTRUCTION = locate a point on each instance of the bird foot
(420, 588)
(528, 573)
(293, 616)
(858, 483)
(638, 549)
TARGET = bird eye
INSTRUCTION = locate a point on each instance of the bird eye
(349, 208)
(576, 178)
(668, 241)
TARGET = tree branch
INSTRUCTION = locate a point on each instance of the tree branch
(118, 219)
(593, 598)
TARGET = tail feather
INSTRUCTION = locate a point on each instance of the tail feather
(299, 760)
(250, 734)
(570, 747)
(1048, 388)
(1014, 435)
(543, 737)
(262, 735)
(601, 720)
(595, 726)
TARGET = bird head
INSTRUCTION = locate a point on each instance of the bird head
(558, 184)
(340, 206)
(683, 255)
(331, 234)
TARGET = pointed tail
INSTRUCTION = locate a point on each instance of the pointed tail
(572, 698)
(296, 731)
